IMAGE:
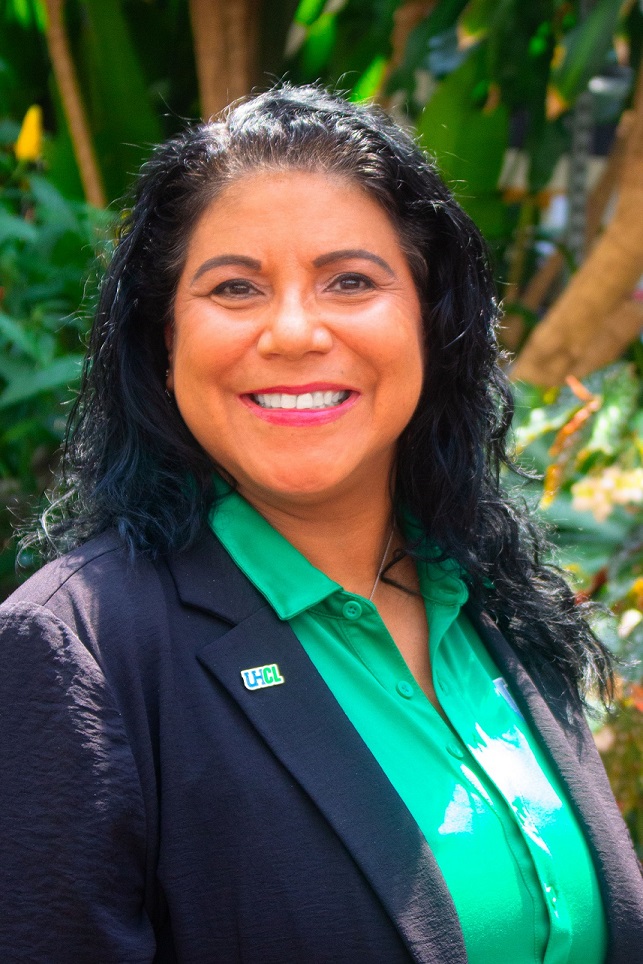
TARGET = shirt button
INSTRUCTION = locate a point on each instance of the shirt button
(352, 610)
(405, 689)
(456, 750)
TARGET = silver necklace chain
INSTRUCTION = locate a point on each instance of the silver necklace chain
(381, 568)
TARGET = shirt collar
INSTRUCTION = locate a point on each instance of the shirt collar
(289, 582)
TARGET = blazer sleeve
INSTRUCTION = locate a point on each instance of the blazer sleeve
(72, 825)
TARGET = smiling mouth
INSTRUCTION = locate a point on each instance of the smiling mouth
(307, 401)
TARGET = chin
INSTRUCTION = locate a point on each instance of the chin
(308, 488)
(301, 487)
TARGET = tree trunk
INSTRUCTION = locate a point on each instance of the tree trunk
(225, 50)
(67, 81)
(565, 340)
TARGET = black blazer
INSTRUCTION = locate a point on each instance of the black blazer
(153, 809)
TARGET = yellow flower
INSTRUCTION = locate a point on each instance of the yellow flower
(555, 103)
(28, 147)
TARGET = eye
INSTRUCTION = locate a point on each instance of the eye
(235, 288)
(350, 282)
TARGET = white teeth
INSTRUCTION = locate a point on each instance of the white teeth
(306, 401)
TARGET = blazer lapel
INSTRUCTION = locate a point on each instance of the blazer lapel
(307, 730)
(571, 748)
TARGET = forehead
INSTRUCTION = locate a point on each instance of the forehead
(272, 207)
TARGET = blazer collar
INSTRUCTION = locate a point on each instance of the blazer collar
(207, 578)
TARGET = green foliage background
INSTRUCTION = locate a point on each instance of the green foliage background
(475, 78)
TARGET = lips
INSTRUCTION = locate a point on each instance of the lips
(300, 405)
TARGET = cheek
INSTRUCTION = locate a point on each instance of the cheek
(412, 378)
(403, 345)
(204, 349)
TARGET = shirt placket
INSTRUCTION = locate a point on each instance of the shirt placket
(488, 727)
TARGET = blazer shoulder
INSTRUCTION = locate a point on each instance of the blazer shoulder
(99, 591)
(88, 564)
(119, 603)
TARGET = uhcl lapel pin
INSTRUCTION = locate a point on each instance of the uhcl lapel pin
(261, 676)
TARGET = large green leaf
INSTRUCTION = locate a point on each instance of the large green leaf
(12, 370)
(468, 141)
(318, 46)
(14, 228)
(478, 19)
(371, 80)
(364, 29)
(441, 19)
(546, 142)
(26, 67)
(58, 152)
(18, 336)
(52, 206)
(519, 44)
(59, 374)
(584, 545)
(308, 11)
(585, 50)
(28, 13)
(124, 121)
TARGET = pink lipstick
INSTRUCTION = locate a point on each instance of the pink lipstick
(316, 403)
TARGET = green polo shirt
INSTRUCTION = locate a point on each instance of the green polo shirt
(483, 794)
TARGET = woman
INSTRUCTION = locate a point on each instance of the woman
(247, 716)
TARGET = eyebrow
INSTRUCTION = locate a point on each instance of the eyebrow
(320, 262)
(225, 259)
(346, 253)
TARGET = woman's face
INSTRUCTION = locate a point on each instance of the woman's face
(295, 356)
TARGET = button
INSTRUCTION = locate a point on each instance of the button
(352, 610)
(456, 750)
(442, 683)
(405, 689)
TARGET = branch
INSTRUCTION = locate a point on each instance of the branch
(67, 81)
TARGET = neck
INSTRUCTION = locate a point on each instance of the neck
(346, 542)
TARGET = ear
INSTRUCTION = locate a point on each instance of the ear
(168, 337)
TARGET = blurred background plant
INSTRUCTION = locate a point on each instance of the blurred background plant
(47, 245)
(585, 440)
(535, 115)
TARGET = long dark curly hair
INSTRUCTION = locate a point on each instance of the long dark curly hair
(130, 462)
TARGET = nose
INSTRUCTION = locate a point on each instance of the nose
(293, 329)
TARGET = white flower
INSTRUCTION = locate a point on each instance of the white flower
(599, 493)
